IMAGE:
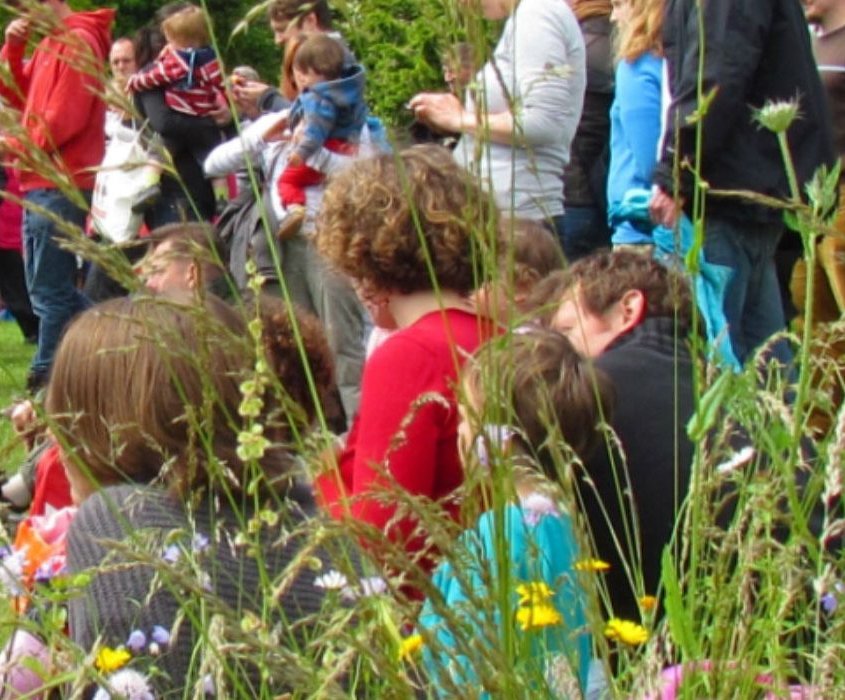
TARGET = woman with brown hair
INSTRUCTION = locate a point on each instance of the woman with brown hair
(407, 229)
(151, 394)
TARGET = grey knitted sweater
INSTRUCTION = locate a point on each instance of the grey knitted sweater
(152, 564)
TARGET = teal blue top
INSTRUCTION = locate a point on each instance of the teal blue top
(534, 542)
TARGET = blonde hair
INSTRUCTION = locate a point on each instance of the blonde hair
(188, 27)
(643, 32)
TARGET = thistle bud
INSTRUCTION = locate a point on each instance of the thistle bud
(778, 116)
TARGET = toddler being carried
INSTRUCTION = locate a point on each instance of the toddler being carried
(329, 113)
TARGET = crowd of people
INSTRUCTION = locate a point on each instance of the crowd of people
(480, 328)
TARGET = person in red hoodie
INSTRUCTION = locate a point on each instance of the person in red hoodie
(61, 141)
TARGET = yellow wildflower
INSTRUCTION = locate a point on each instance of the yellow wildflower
(648, 603)
(410, 646)
(534, 593)
(592, 565)
(109, 659)
(533, 617)
(626, 632)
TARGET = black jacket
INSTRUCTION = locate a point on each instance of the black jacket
(754, 51)
(652, 374)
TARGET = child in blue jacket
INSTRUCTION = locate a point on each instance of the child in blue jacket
(329, 112)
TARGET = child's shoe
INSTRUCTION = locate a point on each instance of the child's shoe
(145, 199)
(292, 222)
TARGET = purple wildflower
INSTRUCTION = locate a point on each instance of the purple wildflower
(171, 554)
(44, 573)
(208, 685)
(829, 603)
(200, 543)
(136, 642)
(160, 635)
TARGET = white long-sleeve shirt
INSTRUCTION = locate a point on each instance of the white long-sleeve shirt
(539, 63)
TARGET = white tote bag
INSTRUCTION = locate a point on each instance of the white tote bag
(127, 168)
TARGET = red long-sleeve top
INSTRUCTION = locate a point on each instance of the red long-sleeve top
(406, 424)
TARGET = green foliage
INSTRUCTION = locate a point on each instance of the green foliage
(400, 42)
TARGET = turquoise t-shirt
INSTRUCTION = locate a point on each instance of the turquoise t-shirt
(536, 543)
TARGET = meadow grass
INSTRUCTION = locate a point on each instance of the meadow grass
(15, 356)
(744, 584)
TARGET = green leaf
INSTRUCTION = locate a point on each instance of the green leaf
(790, 218)
(709, 406)
(680, 624)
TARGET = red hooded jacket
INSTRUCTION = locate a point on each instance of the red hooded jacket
(59, 91)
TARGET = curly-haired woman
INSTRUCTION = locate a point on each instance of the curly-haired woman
(406, 228)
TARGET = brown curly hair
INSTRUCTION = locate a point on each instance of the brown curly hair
(280, 331)
(408, 222)
(603, 278)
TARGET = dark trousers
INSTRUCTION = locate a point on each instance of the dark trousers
(14, 294)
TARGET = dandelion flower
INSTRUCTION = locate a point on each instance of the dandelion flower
(410, 646)
(648, 603)
(532, 617)
(592, 565)
(625, 631)
(534, 593)
(109, 659)
(331, 581)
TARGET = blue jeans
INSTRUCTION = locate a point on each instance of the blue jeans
(585, 230)
(50, 270)
(753, 305)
